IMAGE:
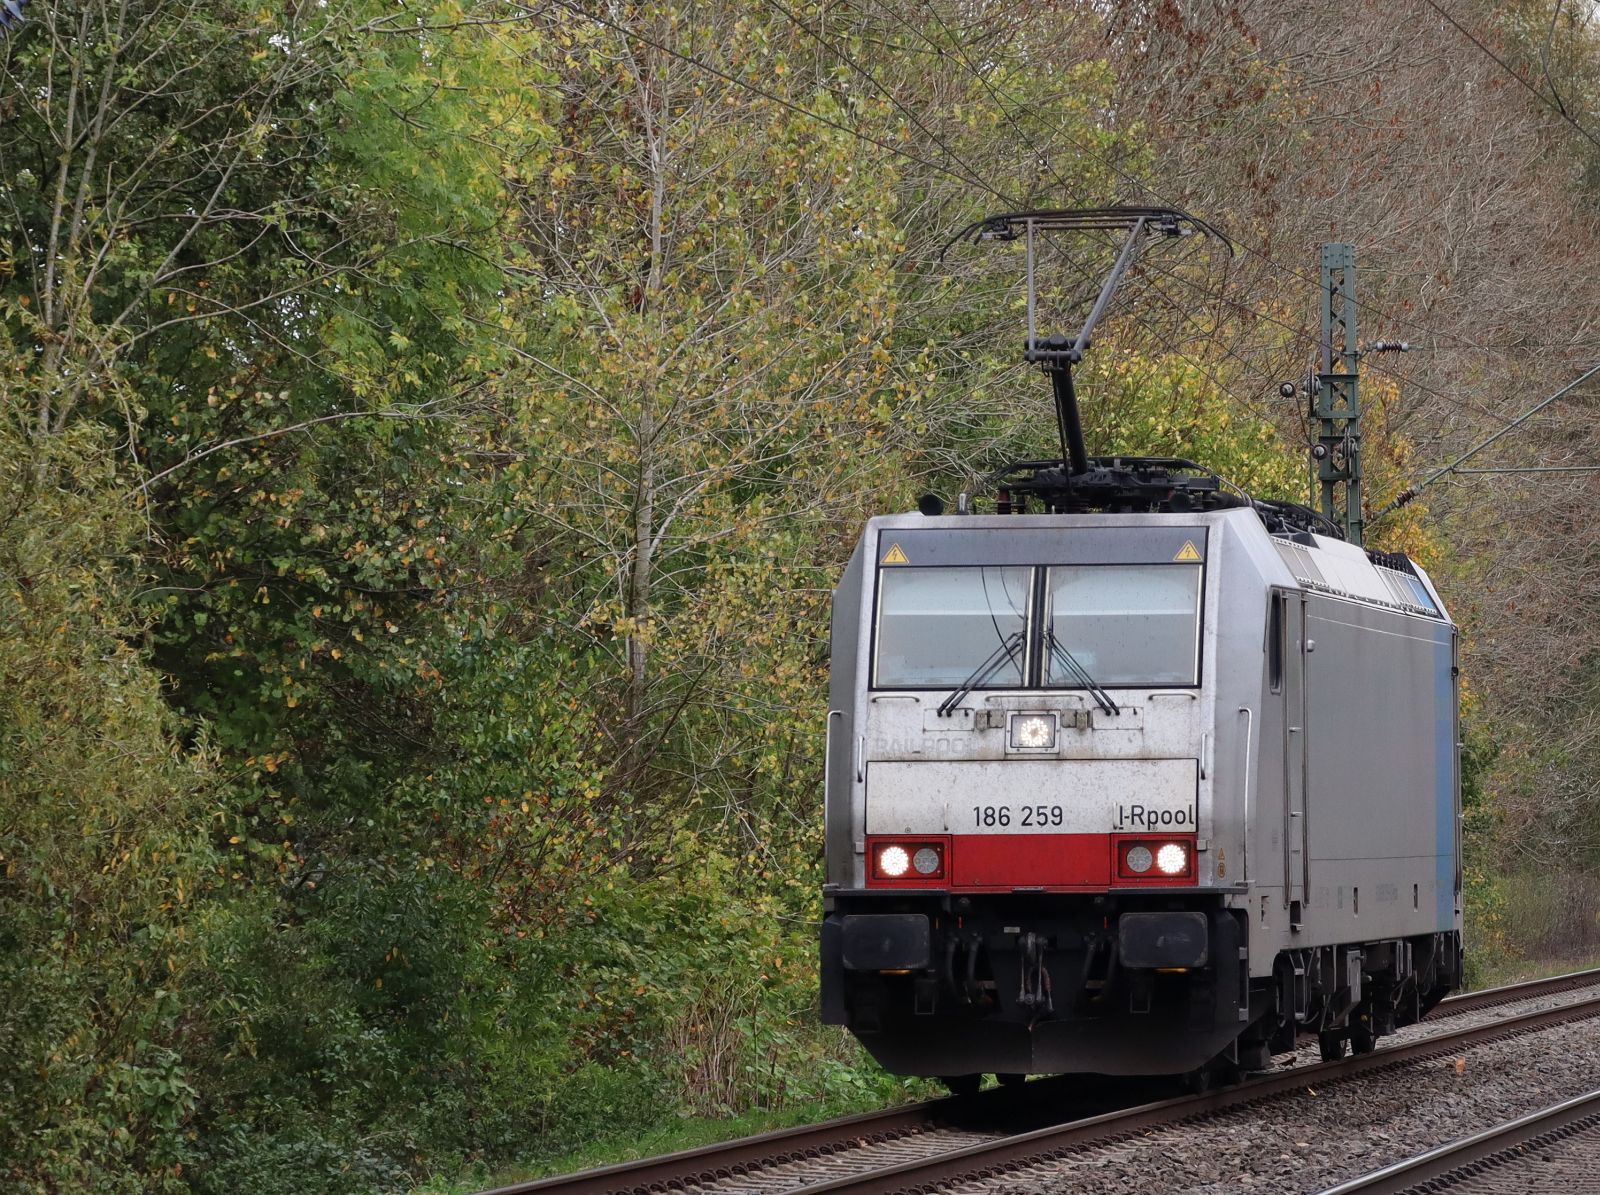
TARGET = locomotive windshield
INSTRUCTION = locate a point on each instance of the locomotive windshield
(935, 625)
(1128, 624)
(1123, 625)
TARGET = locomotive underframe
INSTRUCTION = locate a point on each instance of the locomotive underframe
(934, 983)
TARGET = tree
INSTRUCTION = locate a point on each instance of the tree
(703, 369)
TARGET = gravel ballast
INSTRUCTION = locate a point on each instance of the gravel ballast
(1567, 1167)
(1322, 1136)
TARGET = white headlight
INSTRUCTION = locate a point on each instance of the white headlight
(1173, 859)
(1034, 732)
(926, 861)
(1139, 858)
(893, 861)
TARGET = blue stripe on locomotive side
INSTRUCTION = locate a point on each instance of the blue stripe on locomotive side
(1444, 766)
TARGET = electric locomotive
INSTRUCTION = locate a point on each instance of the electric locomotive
(1133, 775)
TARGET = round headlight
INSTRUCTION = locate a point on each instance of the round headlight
(1033, 732)
(1139, 858)
(1173, 859)
(926, 861)
(893, 861)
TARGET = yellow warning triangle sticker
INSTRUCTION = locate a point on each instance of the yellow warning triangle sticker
(895, 556)
(1188, 552)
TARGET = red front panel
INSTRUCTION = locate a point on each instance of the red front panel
(1030, 861)
(1059, 862)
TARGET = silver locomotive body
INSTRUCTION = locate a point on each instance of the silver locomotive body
(1134, 794)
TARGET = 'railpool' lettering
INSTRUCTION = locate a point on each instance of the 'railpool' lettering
(1143, 817)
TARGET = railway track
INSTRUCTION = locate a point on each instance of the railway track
(931, 1145)
(1555, 985)
(1553, 1149)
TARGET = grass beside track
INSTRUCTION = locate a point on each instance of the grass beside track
(1502, 974)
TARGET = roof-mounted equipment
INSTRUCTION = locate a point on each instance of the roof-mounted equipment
(1077, 481)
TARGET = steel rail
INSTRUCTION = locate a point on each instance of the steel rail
(985, 1161)
(746, 1155)
(707, 1163)
(1502, 1145)
(1510, 993)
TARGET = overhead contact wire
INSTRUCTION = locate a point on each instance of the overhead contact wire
(1559, 109)
(1087, 151)
(745, 85)
(1410, 492)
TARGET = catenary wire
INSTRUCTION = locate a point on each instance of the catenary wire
(1046, 160)
(1043, 158)
(966, 174)
(1558, 109)
(1000, 102)
(1410, 492)
(1022, 135)
(793, 18)
(972, 177)
(755, 89)
(1253, 250)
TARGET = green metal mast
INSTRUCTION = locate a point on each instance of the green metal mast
(1338, 402)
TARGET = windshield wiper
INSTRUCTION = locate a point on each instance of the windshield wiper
(1081, 674)
(1005, 653)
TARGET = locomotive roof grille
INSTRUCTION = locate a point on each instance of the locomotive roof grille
(1299, 560)
(1402, 589)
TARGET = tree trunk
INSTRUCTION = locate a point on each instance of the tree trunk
(644, 518)
(644, 509)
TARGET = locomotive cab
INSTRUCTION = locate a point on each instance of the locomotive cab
(1090, 789)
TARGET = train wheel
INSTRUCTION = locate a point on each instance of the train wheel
(964, 1086)
(1331, 1043)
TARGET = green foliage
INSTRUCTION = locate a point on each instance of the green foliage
(1488, 927)
(102, 859)
(1171, 406)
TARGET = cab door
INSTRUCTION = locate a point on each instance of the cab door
(1288, 625)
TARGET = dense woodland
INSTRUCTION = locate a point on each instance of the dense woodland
(429, 432)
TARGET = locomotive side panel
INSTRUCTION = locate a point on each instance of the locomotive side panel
(1250, 731)
(1277, 819)
(1380, 773)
